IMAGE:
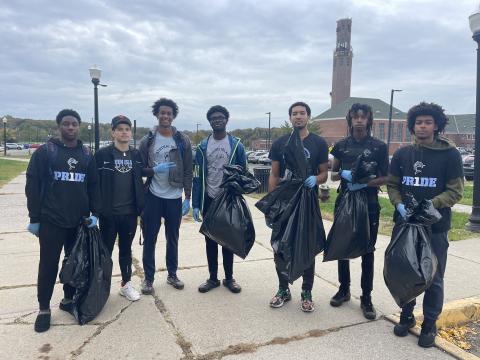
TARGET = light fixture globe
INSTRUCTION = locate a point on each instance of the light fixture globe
(474, 20)
(95, 72)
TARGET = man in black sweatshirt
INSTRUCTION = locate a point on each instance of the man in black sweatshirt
(61, 190)
(431, 168)
(121, 188)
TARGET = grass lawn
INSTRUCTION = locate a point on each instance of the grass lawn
(10, 169)
(467, 194)
(457, 232)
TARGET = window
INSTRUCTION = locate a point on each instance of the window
(408, 136)
(399, 132)
(381, 131)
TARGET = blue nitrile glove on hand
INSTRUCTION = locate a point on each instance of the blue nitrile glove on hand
(355, 187)
(196, 215)
(34, 228)
(311, 181)
(185, 207)
(346, 174)
(163, 167)
(92, 221)
(402, 211)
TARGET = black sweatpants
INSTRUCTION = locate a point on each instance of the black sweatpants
(367, 259)
(52, 238)
(125, 226)
(308, 277)
(212, 252)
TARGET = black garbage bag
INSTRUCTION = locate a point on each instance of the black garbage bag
(293, 212)
(75, 266)
(228, 220)
(364, 168)
(410, 263)
(349, 236)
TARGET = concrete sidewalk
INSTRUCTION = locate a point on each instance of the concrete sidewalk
(186, 324)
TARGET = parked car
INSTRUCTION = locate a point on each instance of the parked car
(468, 166)
(34, 146)
(263, 159)
(14, 146)
(253, 158)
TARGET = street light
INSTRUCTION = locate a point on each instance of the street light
(95, 74)
(269, 138)
(4, 136)
(474, 219)
(390, 120)
(89, 127)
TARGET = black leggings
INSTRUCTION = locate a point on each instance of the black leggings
(52, 239)
(125, 226)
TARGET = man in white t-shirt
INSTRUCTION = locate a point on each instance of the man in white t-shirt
(167, 160)
(217, 150)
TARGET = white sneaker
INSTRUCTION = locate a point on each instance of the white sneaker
(129, 292)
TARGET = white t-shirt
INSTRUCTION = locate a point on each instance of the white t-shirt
(160, 186)
(218, 155)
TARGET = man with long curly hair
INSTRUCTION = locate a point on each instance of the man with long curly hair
(430, 168)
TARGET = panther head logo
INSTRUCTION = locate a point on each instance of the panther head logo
(71, 164)
(418, 166)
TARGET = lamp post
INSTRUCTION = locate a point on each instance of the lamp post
(389, 134)
(95, 74)
(269, 138)
(4, 136)
(89, 127)
(134, 134)
(474, 219)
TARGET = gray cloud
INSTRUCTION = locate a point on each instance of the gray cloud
(250, 56)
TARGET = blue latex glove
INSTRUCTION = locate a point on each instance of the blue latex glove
(185, 207)
(346, 174)
(34, 228)
(402, 211)
(196, 215)
(163, 167)
(93, 221)
(355, 187)
(311, 181)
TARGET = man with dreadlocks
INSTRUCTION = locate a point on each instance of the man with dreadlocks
(346, 152)
(430, 168)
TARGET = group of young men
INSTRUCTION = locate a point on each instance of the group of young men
(67, 183)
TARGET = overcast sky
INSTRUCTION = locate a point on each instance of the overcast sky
(250, 56)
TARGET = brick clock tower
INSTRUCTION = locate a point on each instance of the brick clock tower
(342, 62)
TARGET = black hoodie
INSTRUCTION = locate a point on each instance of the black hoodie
(61, 184)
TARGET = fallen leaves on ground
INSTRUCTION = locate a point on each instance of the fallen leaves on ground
(457, 335)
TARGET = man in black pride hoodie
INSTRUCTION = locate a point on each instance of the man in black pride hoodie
(430, 168)
(61, 190)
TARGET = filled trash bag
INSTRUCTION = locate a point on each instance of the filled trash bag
(228, 220)
(364, 168)
(75, 267)
(349, 236)
(410, 263)
(293, 212)
(90, 298)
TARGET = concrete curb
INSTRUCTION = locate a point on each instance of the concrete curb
(458, 312)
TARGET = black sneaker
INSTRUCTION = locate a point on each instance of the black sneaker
(208, 285)
(406, 322)
(147, 287)
(175, 282)
(66, 306)
(307, 304)
(232, 285)
(42, 322)
(367, 307)
(280, 298)
(427, 336)
(340, 297)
